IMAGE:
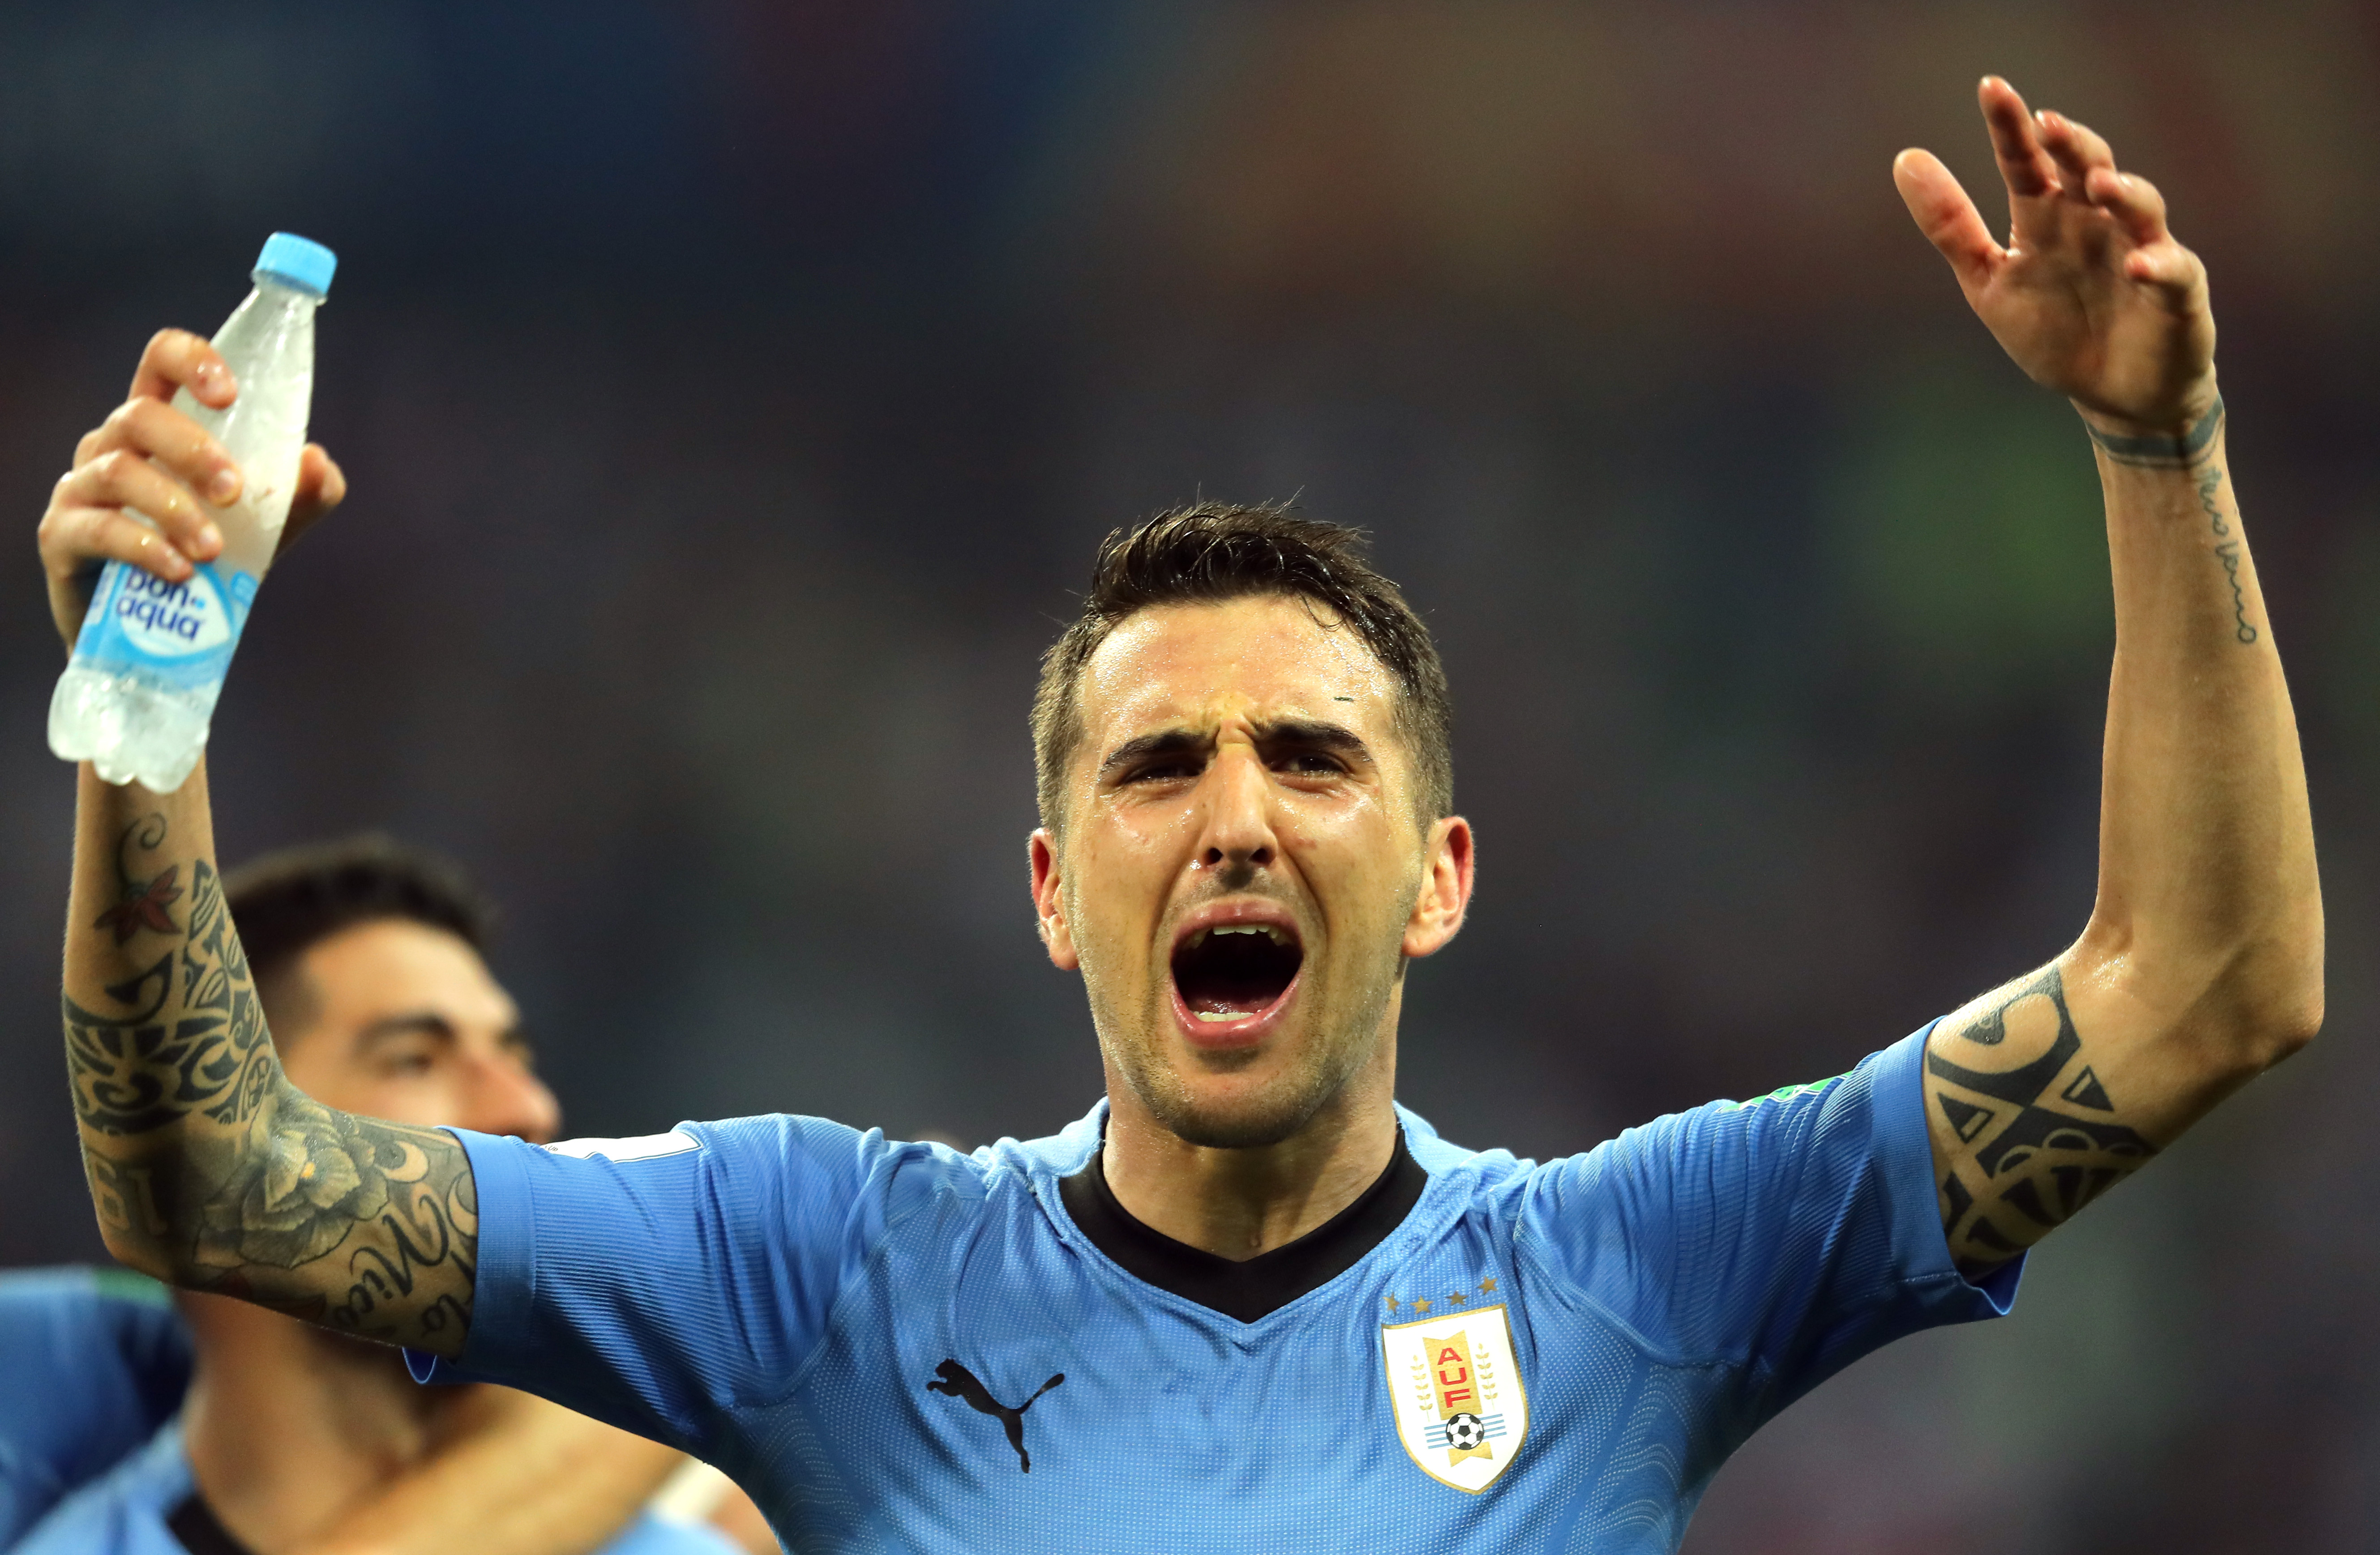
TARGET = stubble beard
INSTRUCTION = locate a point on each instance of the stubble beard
(1345, 1034)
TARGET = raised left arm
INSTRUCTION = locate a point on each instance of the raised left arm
(2202, 963)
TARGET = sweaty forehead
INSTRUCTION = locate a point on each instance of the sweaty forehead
(1261, 657)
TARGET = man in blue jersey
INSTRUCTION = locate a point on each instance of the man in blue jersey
(1249, 1302)
(289, 1438)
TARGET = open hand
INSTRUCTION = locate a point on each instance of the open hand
(2092, 296)
(149, 456)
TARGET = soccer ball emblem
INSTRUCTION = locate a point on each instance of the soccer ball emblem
(1464, 1431)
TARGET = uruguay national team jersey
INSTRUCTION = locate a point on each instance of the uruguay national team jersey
(895, 1347)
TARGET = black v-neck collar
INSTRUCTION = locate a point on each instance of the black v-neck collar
(1252, 1288)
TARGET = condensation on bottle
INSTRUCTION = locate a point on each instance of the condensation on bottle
(138, 695)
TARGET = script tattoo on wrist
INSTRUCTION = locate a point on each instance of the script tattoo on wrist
(2037, 1130)
(2163, 450)
(200, 1152)
(2227, 550)
(2190, 451)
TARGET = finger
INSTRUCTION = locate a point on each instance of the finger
(177, 360)
(2077, 149)
(74, 539)
(2027, 168)
(157, 430)
(321, 486)
(122, 479)
(2134, 202)
(1946, 217)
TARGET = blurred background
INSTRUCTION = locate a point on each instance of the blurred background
(733, 392)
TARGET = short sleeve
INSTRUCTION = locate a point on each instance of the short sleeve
(1786, 1236)
(658, 1284)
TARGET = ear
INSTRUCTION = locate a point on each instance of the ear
(1049, 901)
(1445, 888)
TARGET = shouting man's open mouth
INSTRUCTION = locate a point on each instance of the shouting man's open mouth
(1234, 967)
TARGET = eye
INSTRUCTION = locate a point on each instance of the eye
(1314, 763)
(1167, 769)
(409, 1059)
(409, 1064)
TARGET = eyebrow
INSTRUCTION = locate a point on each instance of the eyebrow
(429, 1022)
(1168, 742)
(413, 1023)
(1309, 734)
(1314, 734)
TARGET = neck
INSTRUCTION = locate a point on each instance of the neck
(287, 1427)
(1240, 1202)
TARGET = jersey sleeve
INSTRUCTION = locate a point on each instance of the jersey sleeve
(658, 1284)
(1785, 1236)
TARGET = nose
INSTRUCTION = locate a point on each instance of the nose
(506, 1096)
(1236, 835)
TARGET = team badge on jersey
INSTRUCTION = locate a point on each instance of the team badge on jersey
(1455, 1391)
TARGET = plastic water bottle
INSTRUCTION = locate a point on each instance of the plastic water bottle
(139, 695)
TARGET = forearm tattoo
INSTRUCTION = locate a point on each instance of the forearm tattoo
(204, 1160)
(2194, 450)
(2037, 1133)
(2228, 549)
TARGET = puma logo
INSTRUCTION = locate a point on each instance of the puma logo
(960, 1383)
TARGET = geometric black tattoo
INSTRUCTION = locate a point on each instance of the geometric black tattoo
(2037, 1133)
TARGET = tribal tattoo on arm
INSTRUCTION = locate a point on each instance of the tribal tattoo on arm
(2024, 1132)
(209, 1168)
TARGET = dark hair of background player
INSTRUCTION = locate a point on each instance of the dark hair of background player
(285, 902)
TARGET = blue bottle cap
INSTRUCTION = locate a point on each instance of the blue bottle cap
(299, 261)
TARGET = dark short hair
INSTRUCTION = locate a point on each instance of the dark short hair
(285, 902)
(1214, 551)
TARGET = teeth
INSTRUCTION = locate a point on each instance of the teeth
(1269, 931)
(1210, 1017)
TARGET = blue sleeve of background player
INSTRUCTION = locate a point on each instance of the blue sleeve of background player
(1785, 1237)
(92, 1362)
(659, 1283)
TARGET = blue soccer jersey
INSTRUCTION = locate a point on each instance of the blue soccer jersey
(895, 1347)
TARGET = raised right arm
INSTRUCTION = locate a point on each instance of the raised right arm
(207, 1167)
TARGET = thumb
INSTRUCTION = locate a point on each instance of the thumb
(321, 486)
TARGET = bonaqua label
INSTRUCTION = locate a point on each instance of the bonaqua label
(181, 634)
(164, 620)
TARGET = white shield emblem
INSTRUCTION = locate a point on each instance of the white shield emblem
(1455, 1390)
